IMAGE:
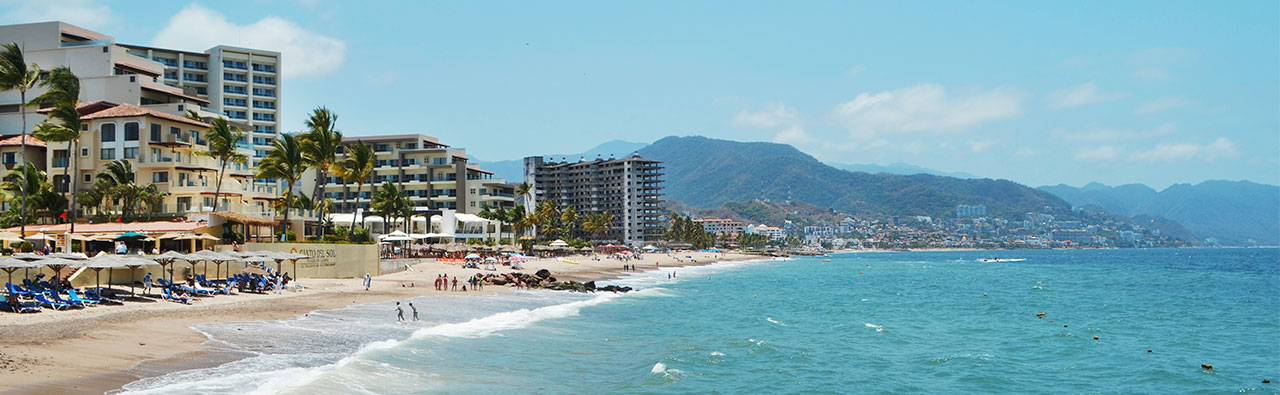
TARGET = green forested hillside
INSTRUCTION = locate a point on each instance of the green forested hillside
(706, 173)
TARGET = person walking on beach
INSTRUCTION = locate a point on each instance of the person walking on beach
(367, 281)
(399, 312)
(415, 311)
(455, 283)
(146, 283)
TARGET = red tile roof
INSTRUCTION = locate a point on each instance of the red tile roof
(129, 110)
(17, 140)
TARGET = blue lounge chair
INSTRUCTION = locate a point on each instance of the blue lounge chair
(33, 287)
(16, 290)
(97, 295)
(52, 304)
(59, 298)
(169, 295)
(19, 307)
(71, 295)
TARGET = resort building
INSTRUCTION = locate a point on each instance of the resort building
(629, 188)
(437, 178)
(161, 148)
(241, 84)
(720, 226)
(107, 72)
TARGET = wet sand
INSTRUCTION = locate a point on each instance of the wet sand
(99, 349)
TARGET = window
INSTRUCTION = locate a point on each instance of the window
(160, 176)
(234, 89)
(191, 64)
(259, 154)
(261, 116)
(131, 152)
(171, 62)
(195, 77)
(264, 104)
(235, 77)
(270, 68)
(233, 101)
(411, 146)
(257, 79)
(264, 129)
(200, 90)
(237, 114)
(155, 132)
(108, 154)
(131, 131)
(264, 92)
(88, 178)
(234, 64)
(170, 75)
(60, 158)
(84, 152)
(10, 158)
(262, 140)
(108, 132)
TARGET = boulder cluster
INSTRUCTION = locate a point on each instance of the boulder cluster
(543, 279)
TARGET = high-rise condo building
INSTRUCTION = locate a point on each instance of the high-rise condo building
(628, 188)
(240, 83)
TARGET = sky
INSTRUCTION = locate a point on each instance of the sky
(1157, 92)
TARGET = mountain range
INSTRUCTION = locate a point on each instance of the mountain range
(704, 173)
(898, 168)
(513, 169)
(1233, 212)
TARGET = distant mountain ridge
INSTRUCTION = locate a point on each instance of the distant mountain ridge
(704, 173)
(1231, 211)
(898, 168)
(513, 169)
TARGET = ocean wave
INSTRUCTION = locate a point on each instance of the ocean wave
(877, 327)
(770, 319)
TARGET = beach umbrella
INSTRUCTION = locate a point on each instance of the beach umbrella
(57, 264)
(10, 237)
(166, 259)
(472, 256)
(490, 259)
(39, 236)
(75, 256)
(559, 243)
(207, 255)
(133, 263)
(130, 235)
(105, 261)
(10, 264)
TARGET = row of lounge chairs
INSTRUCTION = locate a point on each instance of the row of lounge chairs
(43, 295)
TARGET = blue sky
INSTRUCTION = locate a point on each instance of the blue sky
(1040, 92)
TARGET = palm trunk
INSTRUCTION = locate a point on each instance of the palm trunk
(71, 202)
(317, 201)
(288, 204)
(22, 215)
(351, 233)
(217, 189)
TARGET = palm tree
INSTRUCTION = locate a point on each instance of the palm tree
(498, 213)
(356, 167)
(115, 181)
(62, 98)
(598, 224)
(522, 191)
(519, 220)
(321, 142)
(222, 138)
(284, 162)
(386, 202)
(546, 216)
(16, 74)
(569, 221)
(26, 178)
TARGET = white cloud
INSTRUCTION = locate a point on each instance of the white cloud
(1084, 94)
(1104, 135)
(978, 146)
(855, 70)
(304, 53)
(1160, 105)
(1103, 152)
(770, 116)
(923, 108)
(85, 13)
(1221, 148)
(794, 135)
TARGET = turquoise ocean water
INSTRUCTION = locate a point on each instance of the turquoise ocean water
(861, 323)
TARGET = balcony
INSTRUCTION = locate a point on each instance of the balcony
(173, 139)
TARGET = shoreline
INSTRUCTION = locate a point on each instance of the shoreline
(47, 352)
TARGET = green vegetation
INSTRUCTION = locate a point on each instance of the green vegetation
(356, 167)
(222, 138)
(320, 146)
(285, 162)
(684, 230)
(705, 172)
(15, 73)
(62, 98)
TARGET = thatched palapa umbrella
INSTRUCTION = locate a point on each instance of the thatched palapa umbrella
(10, 264)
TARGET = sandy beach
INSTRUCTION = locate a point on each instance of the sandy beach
(98, 349)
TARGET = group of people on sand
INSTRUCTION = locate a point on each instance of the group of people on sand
(443, 283)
